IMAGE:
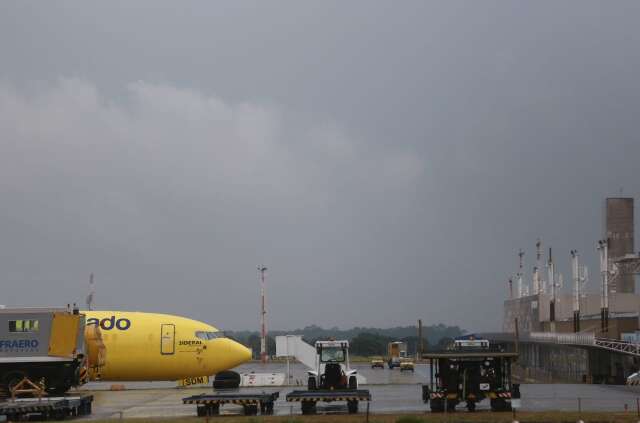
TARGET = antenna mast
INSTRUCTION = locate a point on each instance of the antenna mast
(263, 317)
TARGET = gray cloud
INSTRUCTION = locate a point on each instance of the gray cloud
(183, 187)
(388, 159)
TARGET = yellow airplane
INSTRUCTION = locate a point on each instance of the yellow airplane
(149, 347)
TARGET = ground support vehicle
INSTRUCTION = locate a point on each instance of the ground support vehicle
(396, 352)
(46, 408)
(332, 379)
(209, 404)
(309, 399)
(377, 362)
(407, 365)
(470, 374)
(45, 345)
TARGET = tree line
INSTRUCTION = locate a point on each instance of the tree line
(363, 341)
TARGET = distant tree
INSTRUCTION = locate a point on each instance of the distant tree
(368, 344)
(432, 335)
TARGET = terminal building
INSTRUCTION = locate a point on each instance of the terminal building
(536, 310)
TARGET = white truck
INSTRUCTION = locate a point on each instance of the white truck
(396, 353)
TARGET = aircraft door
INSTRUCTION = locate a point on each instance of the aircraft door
(167, 339)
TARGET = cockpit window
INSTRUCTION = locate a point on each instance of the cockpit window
(207, 336)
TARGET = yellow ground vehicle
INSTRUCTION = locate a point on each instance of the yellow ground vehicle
(407, 365)
(377, 362)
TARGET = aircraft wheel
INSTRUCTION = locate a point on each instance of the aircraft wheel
(311, 384)
(353, 382)
(227, 380)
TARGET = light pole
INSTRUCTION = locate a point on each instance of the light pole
(603, 248)
(263, 325)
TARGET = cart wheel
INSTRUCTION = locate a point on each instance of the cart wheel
(352, 406)
(250, 410)
(268, 408)
(500, 404)
(308, 407)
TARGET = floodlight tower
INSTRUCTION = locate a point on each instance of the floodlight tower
(263, 316)
(603, 248)
(521, 290)
(575, 273)
(537, 285)
(552, 282)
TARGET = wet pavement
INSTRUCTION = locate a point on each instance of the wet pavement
(391, 391)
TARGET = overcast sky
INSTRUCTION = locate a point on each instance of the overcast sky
(385, 160)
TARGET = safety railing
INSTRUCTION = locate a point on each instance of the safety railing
(587, 339)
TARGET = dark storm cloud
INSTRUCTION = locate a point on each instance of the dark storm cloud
(385, 160)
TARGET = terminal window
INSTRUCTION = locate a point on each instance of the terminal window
(27, 325)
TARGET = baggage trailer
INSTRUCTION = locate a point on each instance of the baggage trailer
(308, 399)
(209, 404)
(52, 408)
(470, 370)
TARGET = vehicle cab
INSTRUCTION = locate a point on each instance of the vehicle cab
(332, 370)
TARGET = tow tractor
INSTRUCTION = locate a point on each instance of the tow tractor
(470, 370)
(332, 379)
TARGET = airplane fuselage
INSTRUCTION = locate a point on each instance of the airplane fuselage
(151, 346)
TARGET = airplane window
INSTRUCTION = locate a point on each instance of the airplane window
(215, 335)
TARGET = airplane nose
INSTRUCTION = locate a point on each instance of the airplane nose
(226, 354)
(243, 353)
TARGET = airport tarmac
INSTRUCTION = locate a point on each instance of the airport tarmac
(391, 391)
